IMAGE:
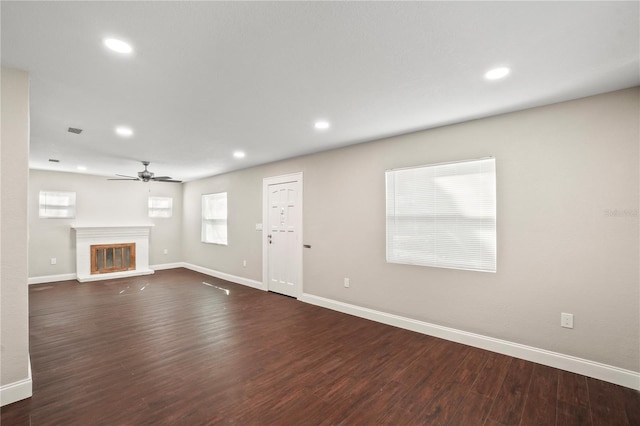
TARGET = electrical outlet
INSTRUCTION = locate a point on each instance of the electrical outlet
(166, 251)
(54, 261)
(346, 282)
(244, 263)
(566, 320)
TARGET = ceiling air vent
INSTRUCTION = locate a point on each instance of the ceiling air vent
(53, 160)
(74, 130)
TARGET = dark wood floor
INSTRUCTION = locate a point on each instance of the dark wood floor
(169, 349)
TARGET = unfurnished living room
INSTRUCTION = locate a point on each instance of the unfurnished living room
(319, 213)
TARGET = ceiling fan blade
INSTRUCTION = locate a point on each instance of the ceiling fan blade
(162, 178)
(122, 179)
(167, 180)
(125, 176)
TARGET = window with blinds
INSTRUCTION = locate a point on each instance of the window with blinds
(443, 215)
(57, 204)
(160, 207)
(214, 218)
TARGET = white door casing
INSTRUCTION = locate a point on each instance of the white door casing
(282, 234)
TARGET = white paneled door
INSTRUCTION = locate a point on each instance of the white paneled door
(283, 235)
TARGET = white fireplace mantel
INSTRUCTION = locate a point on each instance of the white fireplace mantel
(86, 236)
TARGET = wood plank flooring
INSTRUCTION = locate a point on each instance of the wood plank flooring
(167, 349)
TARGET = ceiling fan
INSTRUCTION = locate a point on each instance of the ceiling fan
(146, 176)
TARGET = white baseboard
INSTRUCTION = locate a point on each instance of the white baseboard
(159, 267)
(608, 373)
(164, 266)
(224, 276)
(66, 277)
(51, 278)
(17, 391)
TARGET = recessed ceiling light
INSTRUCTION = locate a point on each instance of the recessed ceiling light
(238, 154)
(497, 73)
(321, 125)
(118, 45)
(81, 168)
(125, 132)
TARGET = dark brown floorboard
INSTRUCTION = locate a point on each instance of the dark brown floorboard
(166, 349)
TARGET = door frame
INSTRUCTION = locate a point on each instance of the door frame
(297, 256)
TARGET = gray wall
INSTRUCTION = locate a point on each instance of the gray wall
(98, 202)
(568, 187)
(14, 180)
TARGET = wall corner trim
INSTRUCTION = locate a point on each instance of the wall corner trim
(608, 373)
(224, 276)
(17, 391)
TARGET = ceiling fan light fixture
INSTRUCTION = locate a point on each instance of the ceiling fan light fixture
(146, 176)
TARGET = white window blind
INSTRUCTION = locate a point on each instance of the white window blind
(214, 218)
(57, 204)
(160, 207)
(443, 215)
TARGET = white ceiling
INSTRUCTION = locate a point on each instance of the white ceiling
(208, 78)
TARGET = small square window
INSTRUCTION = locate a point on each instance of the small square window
(160, 207)
(57, 204)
